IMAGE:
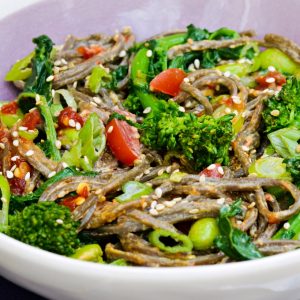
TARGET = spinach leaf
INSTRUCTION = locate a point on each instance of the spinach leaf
(196, 33)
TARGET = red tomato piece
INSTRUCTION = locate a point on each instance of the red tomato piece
(68, 114)
(213, 171)
(88, 52)
(270, 80)
(168, 82)
(69, 202)
(10, 108)
(123, 141)
(32, 119)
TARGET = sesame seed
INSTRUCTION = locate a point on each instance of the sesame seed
(220, 170)
(286, 225)
(72, 123)
(149, 53)
(245, 148)
(15, 134)
(227, 110)
(197, 63)
(58, 144)
(271, 69)
(122, 53)
(13, 168)
(227, 74)
(275, 113)
(160, 207)
(188, 104)
(9, 174)
(78, 126)
(153, 204)
(2, 146)
(190, 41)
(37, 99)
(59, 221)
(110, 129)
(160, 172)
(65, 165)
(211, 167)
(202, 178)
(63, 61)
(186, 80)
(191, 68)
(158, 192)
(181, 108)
(50, 78)
(51, 174)
(16, 143)
(29, 153)
(75, 84)
(221, 201)
(153, 212)
(270, 80)
(57, 62)
(236, 99)
(93, 103)
(97, 100)
(169, 203)
(194, 211)
(169, 169)
(147, 110)
(239, 222)
(14, 158)
(27, 176)
(251, 205)
(146, 172)
(23, 128)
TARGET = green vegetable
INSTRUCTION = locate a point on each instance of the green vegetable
(270, 167)
(20, 70)
(5, 199)
(67, 97)
(203, 232)
(197, 34)
(46, 225)
(233, 242)
(90, 145)
(29, 135)
(10, 120)
(285, 141)
(293, 167)
(287, 102)
(276, 58)
(133, 190)
(239, 69)
(92, 253)
(292, 232)
(116, 76)
(68, 136)
(183, 243)
(119, 262)
(97, 79)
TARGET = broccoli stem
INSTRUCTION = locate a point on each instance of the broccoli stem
(292, 232)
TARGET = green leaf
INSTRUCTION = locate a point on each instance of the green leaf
(98, 79)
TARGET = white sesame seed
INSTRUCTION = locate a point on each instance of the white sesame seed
(227, 74)
(236, 99)
(50, 78)
(146, 172)
(188, 104)
(153, 204)
(97, 100)
(15, 134)
(158, 192)
(245, 148)
(37, 99)
(51, 174)
(58, 144)
(23, 128)
(14, 158)
(149, 53)
(9, 174)
(275, 113)
(13, 168)
(211, 167)
(202, 178)
(65, 165)
(122, 53)
(169, 203)
(153, 212)
(221, 201)
(178, 199)
(75, 84)
(220, 170)
(191, 68)
(93, 103)
(57, 62)
(227, 110)
(286, 225)
(2, 146)
(181, 108)
(16, 143)
(72, 123)
(29, 153)
(239, 222)
(197, 63)
(251, 205)
(63, 61)
(160, 207)
(169, 169)
(147, 110)
(186, 80)
(194, 211)
(59, 221)
(110, 129)
(271, 69)
(27, 176)
(270, 80)
(160, 172)
(78, 126)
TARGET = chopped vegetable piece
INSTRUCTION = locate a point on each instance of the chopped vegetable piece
(213, 171)
(68, 118)
(92, 253)
(88, 52)
(98, 79)
(5, 199)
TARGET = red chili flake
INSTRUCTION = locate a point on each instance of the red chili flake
(69, 202)
(32, 119)
(10, 108)
(68, 114)
(270, 80)
(88, 52)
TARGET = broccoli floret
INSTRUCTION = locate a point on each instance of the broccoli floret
(203, 140)
(287, 102)
(46, 225)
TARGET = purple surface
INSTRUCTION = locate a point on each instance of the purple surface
(57, 18)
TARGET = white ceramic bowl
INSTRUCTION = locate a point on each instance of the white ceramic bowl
(57, 277)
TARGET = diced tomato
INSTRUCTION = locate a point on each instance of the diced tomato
(238, 104)
(32, 119)
(168, 82)
(88, 52)
(213, 171)
(17, 185)
(270, 80)
(68, 114)
(69, 202)
(10, 108)
(123, 141)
